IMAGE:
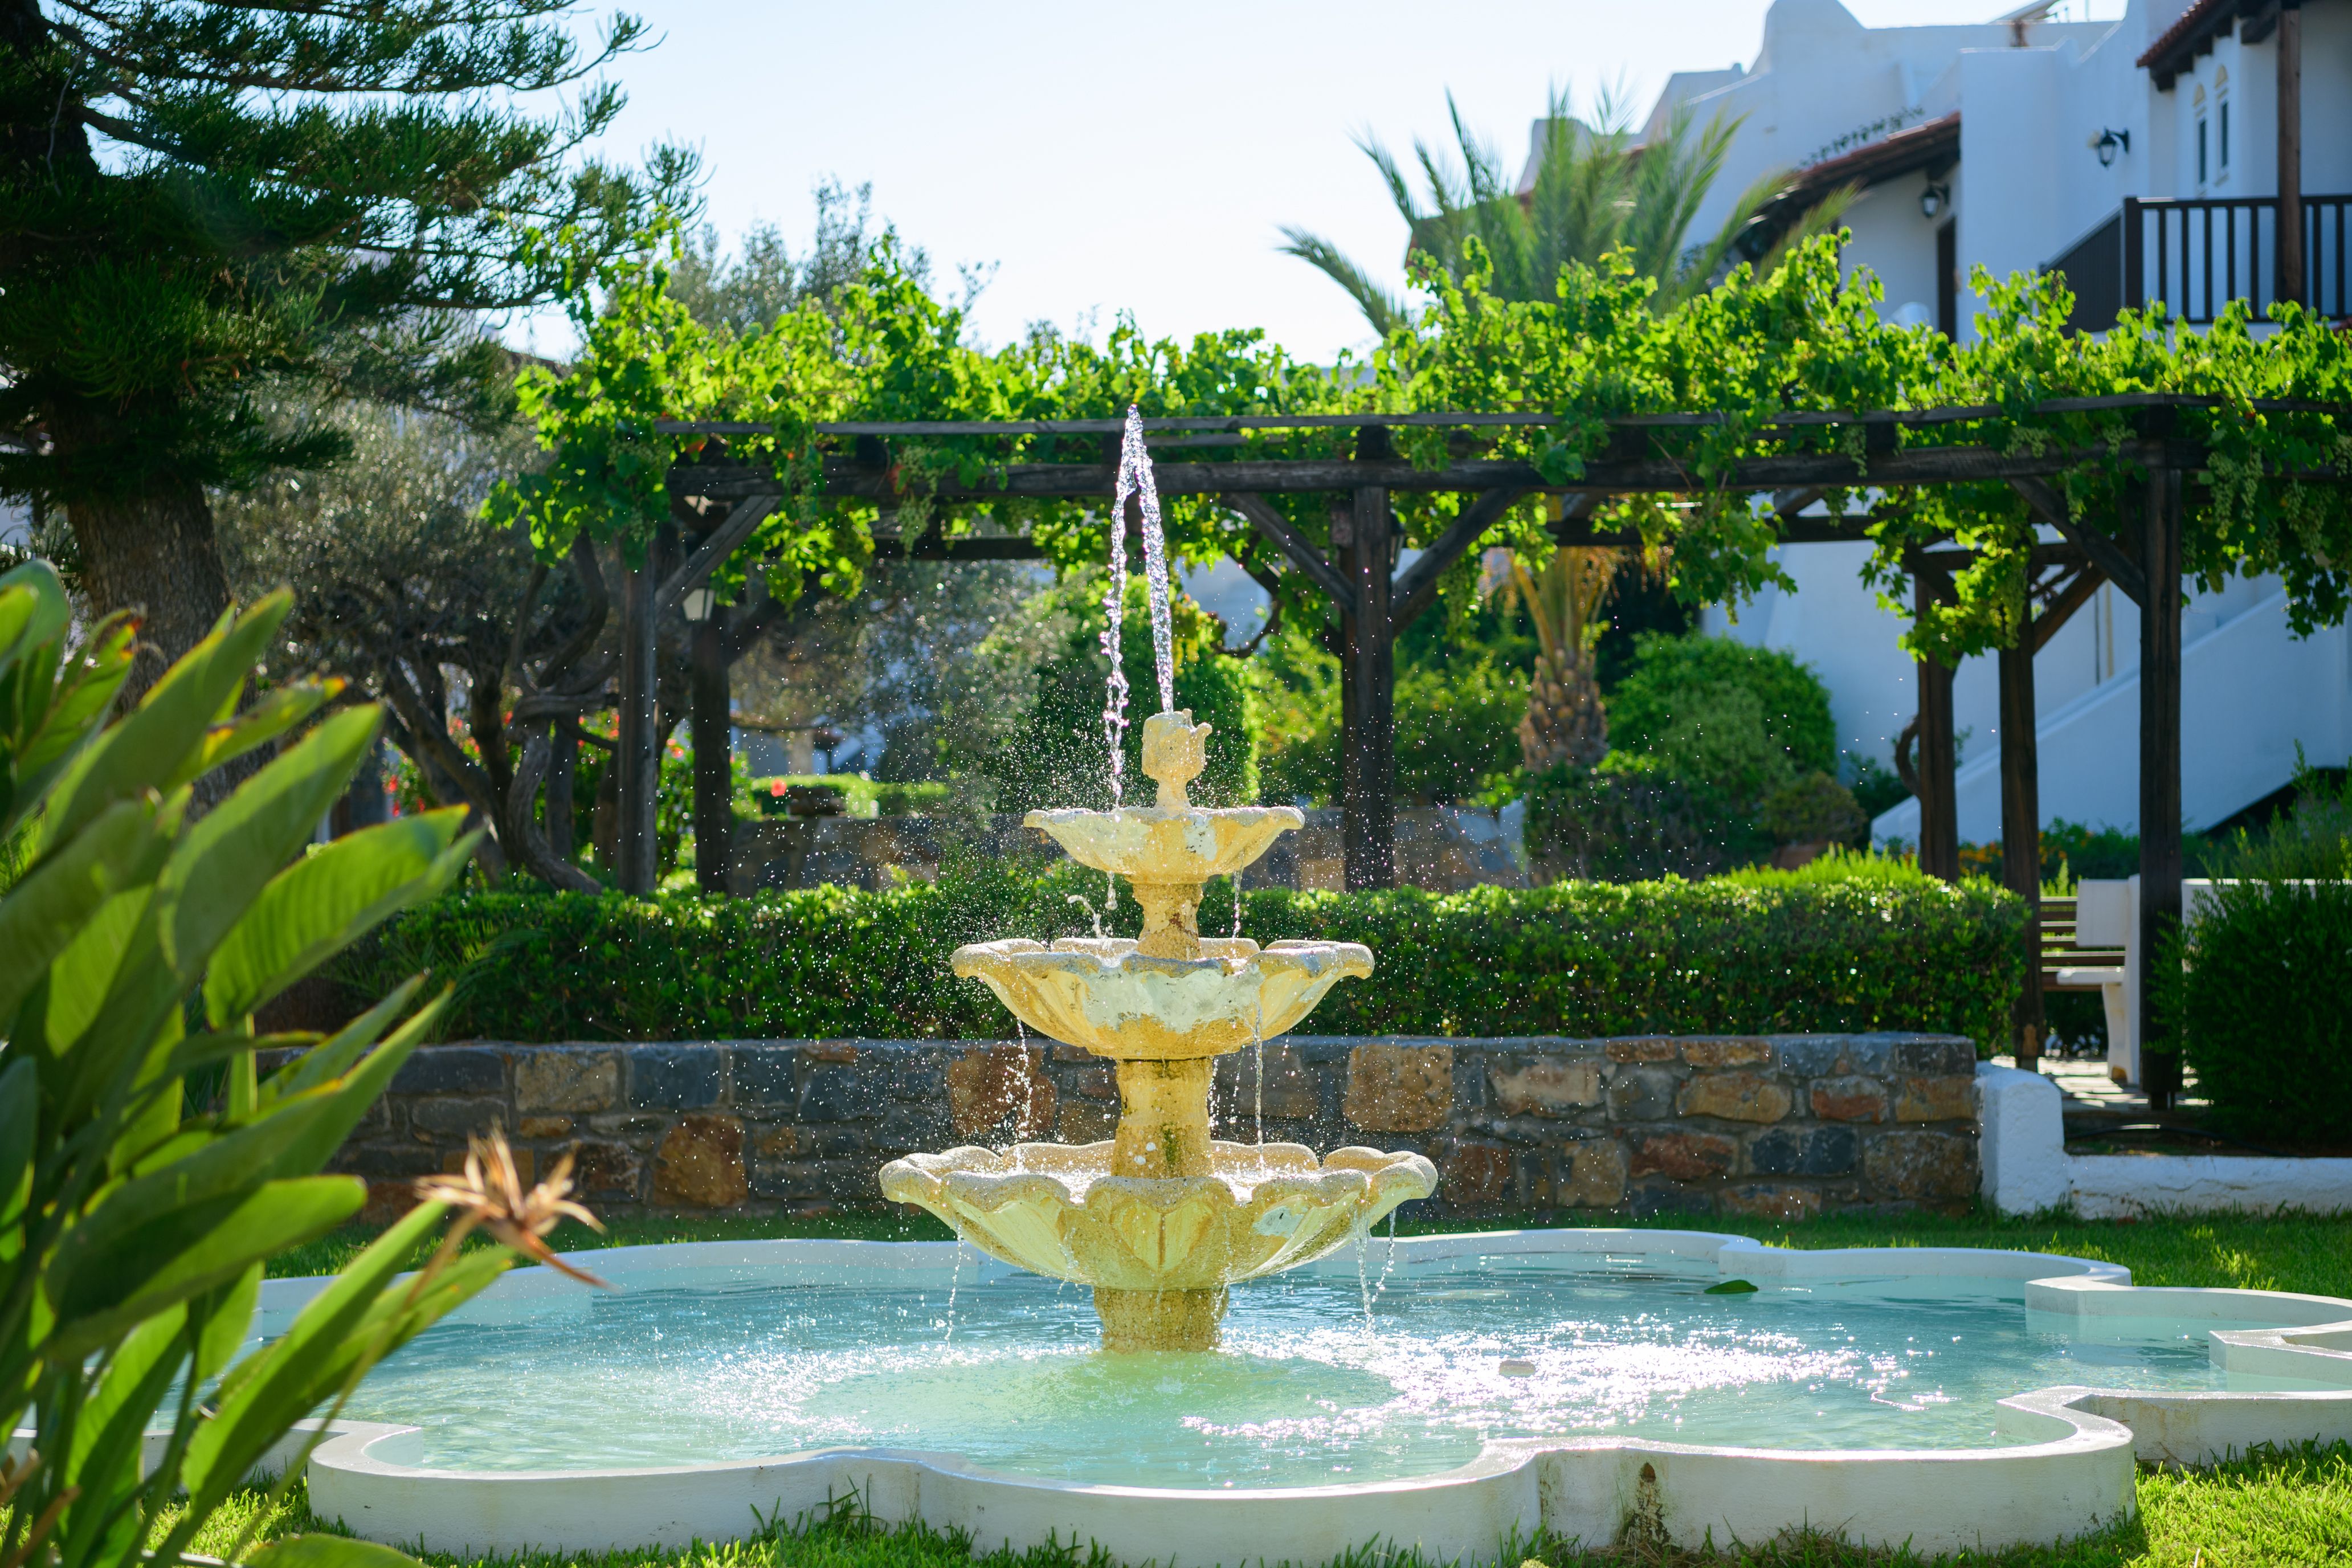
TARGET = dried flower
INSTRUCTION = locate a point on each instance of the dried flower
(491, 1194)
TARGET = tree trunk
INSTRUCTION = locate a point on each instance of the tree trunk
(154, 554)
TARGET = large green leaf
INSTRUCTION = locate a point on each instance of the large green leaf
(33, 609)
(150, 743)
(333, 1057)
(72, 696)
(20, 1110)
(259, 724)
(104, 1281)
(40, 914)
(104, 1461)
(365, 1314)
(223, 1317)
(325, 901)
(225, 860)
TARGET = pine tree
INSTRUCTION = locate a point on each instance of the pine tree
(200, 197)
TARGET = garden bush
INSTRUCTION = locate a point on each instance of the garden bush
(2269, 966)
(1766, 952)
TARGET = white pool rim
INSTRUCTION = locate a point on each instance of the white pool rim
(2069, 1471)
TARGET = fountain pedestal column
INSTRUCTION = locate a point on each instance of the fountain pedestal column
(1163, 1119)
(1159, 1320)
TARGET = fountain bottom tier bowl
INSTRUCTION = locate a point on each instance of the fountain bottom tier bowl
(1443, 1395)
(1160, 1252)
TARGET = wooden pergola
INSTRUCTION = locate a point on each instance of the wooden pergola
(719, 503)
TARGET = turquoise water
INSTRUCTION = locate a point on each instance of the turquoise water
(1310, 1389)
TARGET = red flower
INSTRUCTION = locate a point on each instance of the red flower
(776, 787)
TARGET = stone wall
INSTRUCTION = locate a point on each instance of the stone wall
(1785, 1126)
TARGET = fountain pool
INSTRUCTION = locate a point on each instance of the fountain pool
(1467, 1386)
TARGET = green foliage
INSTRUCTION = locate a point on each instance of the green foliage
(1680, 687)
(223, 193)
(861, 796)
(1811, 810)
(133, 1236)
(1060, 757)
(1890, 950)
(1875, 789)
(1630, 819)
(2270, 965)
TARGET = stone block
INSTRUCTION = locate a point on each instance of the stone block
(795, 1142)
(1098, 1079)
(567, 1080)
(1849, 1098)
(388, 1160)
(1476, 1177)
(1946, 1099)
(829, 1093)
(1074, 1054)
(386, 1202)
(1289, 1089)
(633, 1126)
(764, 1075)
(829, 1051)
(804, 1181)
(1596, 1175)
(986, 1087)
(1085, 1121)
(1931, 1059)
(608, 1171)
(452, 1069)
(673, 1078)
(1640, 1094)
(1806, 1056)
(904, 1126)
(916, 1075)
(1649, 1199)
(1867, 1054)
(1684, 1157)
(1727, 1053)
(1770, 1200)
(1399, 1089)
(443, 1119)
(543, 1127)
(1922, 1165)
(1803, 1151)
(701, 1164)
(1644, 1050)
(1736, 1097)
(526, 1164)
(1547, 1086)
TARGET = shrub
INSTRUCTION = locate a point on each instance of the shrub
(2269, 964)
(1678, 688)
(1811, 810)
(2263, 1008)
(1885, 948)
(1628, 820)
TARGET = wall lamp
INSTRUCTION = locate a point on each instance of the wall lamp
(2110, 145)
(1934, 200)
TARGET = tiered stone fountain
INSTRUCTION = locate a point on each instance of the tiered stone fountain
(1161, 1217)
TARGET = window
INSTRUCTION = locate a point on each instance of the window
(2204, 171)
(2221, 116)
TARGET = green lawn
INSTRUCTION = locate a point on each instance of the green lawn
(2285, 1507)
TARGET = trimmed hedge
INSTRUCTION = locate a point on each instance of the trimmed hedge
(2264, 1009)
(1763, 953)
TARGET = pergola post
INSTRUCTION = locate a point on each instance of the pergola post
(710, 708)
(2020, 825)
(1940, 818)
(2290, 151)
(635, 755)
(2159, 777)
(1367, 741)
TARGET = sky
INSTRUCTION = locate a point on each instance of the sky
(1122, 157)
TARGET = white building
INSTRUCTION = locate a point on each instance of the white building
(2029, 142)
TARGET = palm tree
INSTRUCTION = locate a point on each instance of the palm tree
(1594, 192)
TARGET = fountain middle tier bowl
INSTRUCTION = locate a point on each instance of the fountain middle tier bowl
(1103, 995)
(1057, 1210)
(1149, 844)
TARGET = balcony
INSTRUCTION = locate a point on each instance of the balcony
(2196, 254)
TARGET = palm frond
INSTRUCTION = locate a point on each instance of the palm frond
(1383, 309)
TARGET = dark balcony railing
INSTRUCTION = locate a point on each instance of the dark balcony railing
(2196, 254)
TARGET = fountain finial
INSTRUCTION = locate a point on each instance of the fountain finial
(1175, 750)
